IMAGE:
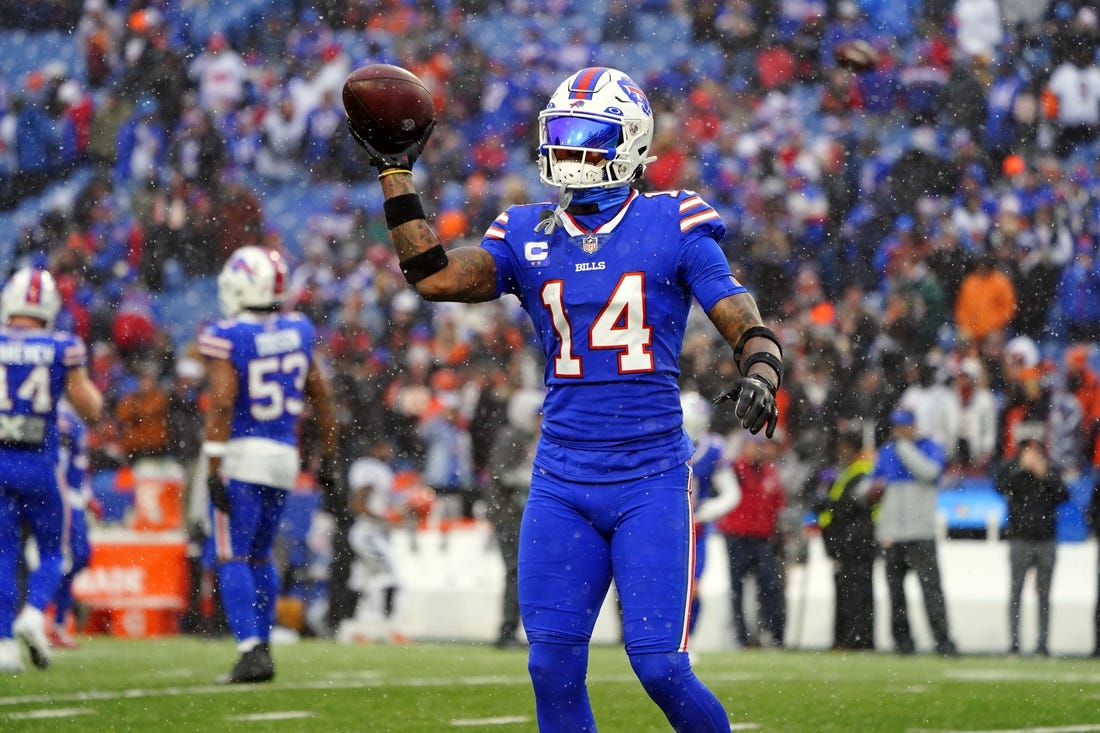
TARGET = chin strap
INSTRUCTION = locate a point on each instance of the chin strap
(550, 218)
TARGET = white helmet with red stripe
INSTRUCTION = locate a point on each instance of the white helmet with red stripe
(254, 278)
(595, 131)
(31, 292)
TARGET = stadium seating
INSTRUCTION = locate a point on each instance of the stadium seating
(35, 51)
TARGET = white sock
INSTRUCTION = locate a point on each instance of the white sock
(248, 644)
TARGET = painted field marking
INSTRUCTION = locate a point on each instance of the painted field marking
(915, 689)
(277, 715)
(502, 720)
(49, 713)
(183, 691)
(744, 726)
(1008, 675)
(1055, 729)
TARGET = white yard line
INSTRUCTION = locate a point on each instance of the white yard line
(49, 713)
(1056, 729)
(502, 720)
(1008, 675)
(275, 715)
(185, 690)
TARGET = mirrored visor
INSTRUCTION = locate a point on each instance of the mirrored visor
(578, 132)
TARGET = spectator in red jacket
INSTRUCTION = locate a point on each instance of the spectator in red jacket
(748, 530)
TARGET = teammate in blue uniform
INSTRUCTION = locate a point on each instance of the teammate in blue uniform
(607, 276)
(72, 469)
(37, 367)
(262, 371)
(714, 486)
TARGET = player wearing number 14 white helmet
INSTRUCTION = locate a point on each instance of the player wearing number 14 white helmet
(37, 367)
(262, 369)
(608, 276)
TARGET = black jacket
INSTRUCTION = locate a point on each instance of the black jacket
(1032, 501)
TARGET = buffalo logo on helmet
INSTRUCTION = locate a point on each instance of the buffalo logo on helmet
(240, 264)
(634, 92)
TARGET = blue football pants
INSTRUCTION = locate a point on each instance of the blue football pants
(30, 495)
(574, 540)
(243, 540)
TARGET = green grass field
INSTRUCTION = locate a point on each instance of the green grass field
(165, 685)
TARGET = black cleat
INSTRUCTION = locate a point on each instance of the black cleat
(255, 665)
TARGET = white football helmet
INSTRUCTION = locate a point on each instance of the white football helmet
(697, 413)
(31, 292)
(598, 110)
(252, 278)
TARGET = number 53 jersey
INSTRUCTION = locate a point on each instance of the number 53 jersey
(609, 299)
(271, 354)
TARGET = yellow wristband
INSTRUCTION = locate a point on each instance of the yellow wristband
(391, 171)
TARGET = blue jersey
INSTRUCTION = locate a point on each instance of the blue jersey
(890, 467)
(34, 365)
(72, 458)
(271, 354)
(708, 458)
(610, 306)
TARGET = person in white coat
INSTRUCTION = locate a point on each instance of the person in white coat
(977, 437)
(979, 27)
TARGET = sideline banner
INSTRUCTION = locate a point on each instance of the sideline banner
(138, 580)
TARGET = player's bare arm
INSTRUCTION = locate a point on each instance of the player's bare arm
(470, 272)
(83, 394)
(379, 123)
(759, 359)
(319, 392)
(222, 392)
(733, 316)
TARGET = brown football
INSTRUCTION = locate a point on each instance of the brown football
(857, 55)
(388, 106)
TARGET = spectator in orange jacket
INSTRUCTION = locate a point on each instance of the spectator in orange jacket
(749, 529)
(143, 418)
(986, 303)
(1084, 384)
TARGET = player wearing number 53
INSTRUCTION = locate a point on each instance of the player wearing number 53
(262, 370)
(607, 275)
(37, 367)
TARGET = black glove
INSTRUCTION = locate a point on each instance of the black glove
(219, 497)
(385, 161)
(755, 403)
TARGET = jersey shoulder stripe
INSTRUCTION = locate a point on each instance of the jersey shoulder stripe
(498, 227)
(694, 211)
(214, 346)
(75, 354)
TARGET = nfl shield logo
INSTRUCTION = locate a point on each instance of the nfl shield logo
(590, 244)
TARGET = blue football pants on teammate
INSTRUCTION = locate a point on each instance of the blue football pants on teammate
(80, 552)
(701, 535)
(30, 495)
(243, 542)
(574, 538)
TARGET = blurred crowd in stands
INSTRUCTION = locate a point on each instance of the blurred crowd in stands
(922, 233)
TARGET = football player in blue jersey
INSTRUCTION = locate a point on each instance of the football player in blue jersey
(607, 276)
(72, 469)
(37, 367)
(262, 371)
(715, 490)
